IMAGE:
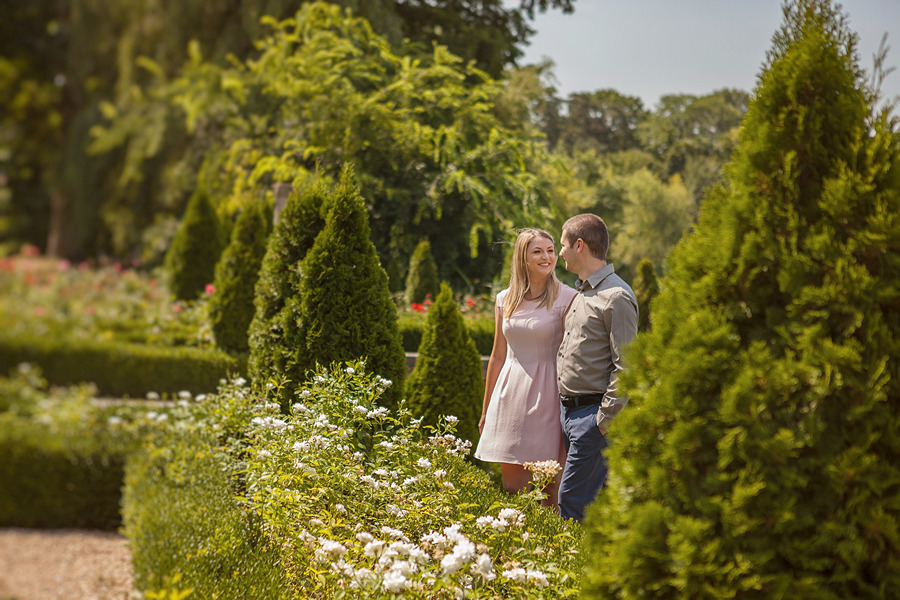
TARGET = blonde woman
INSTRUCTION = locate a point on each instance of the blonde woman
(520, 415)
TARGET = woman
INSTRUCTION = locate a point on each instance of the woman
(520, 416)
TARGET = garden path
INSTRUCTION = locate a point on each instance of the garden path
(64, 564)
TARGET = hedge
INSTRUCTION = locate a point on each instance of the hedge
(480, 330)
(122, 369)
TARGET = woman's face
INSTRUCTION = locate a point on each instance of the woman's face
(540, 258)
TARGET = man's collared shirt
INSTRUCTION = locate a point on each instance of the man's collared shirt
(601, 320)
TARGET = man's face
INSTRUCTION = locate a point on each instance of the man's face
(567, 253)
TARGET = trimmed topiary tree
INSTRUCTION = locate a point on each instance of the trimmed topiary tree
(422, 279)
(273, 358)
(345, 311)
(191, 259)
(646, 287)
(760, 455)
(231, 306)
(447, 378)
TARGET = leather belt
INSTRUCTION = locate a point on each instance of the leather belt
(581, 400)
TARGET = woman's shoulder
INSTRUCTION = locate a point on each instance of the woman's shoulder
(565, 294)
(501, 297)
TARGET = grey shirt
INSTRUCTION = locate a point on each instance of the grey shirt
(601, 320)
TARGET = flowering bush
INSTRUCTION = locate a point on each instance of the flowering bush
(54, 298)
(348, 499)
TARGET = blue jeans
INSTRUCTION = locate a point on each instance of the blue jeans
(585, 470)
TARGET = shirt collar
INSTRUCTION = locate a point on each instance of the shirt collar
(596, 277)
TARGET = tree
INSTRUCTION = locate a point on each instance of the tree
(447, 378)
(231, 307)
(605, 120)
(345, 307)
(761, 456)
(422, 279)
(646, 287)
(274, 350)
(195, 250)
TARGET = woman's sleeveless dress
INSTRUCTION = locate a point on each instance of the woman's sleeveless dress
(522, 420)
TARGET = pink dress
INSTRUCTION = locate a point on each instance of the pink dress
(522, 420)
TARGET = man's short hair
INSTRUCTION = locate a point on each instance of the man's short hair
(592, 230)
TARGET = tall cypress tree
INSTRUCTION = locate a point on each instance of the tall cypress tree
(345, 310)
(760, 454)
(231, 307)
(447, 378)
(273, 354)
(191, 259)
(422, 279)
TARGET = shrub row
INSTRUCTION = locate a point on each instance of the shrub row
(59, 464)
(121, 369)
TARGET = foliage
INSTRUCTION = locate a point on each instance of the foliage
(761, 456)
(273, 336)
(231, 306)
(422, 279)
(345, 310)
(324, 89)
(447, 378)
(192, 257)
(646, 287)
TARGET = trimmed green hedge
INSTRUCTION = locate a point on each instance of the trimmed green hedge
(60, 466)
(121, 369)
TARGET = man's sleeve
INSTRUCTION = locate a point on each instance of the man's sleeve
(621, 320)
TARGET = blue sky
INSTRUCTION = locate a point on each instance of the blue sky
(648, 48)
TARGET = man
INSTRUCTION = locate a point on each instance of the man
(601, 320)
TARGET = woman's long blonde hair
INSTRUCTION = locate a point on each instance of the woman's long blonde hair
(518, 278)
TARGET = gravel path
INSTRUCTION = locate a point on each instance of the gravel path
(64, 564)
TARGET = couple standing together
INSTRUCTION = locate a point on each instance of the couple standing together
(551, 390)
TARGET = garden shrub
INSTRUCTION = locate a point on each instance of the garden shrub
(191, 259)
(273, 330)
(181, 513)
(422, 280)
(120, 369)
(759, 456)
(231, 307)
(447, 378)
(480, 329)
(646, 287)
(345, 308)
(60, 466)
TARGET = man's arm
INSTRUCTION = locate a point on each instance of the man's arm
(621, 318)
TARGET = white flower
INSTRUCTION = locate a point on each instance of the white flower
(240, 381)
(404, 567)
(410, 481)
(374, 548)
(114, 420)
(358, 456)
(152, 396)
(394, 533)
(440, 473)
(317, 522)
(448, 485)
(361, 577)
(359, 409)
(424, 463)
(516, 574)
(304, 394)
(365, 537)
(320, 379)
(200, 398)
(538, 578)
(394, 581)
(485, 521)
(451, 563)
(306, 537)
(451, 419)
(301, 446)
(350, 371)
(369, 480)
(386, 445)
(184, 395)
(434, 538)
(263, 454)
(396, 511)
(377, 413)
(332, 548)
(483, 567)
(339, 507)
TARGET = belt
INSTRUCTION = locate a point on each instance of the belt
(582, 400)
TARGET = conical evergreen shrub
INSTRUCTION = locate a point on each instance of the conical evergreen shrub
(345, 308)
(759, 456)
(191, 259)
(447, 378)
(231, 306)
(422, 279)
(646, 287)
(274, 355)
